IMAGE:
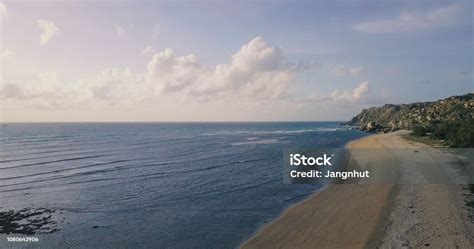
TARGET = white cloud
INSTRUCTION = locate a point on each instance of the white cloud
(343, 71)
(148, 50)
(256, 70)
(11, 91)
(3, 10)
(49, 86)
(156, 32)
(111, 86)
(46, 88)
(357, 94)
(411, 21)
(48, 31)
(169, 73)
(258, 76)
(116, 83)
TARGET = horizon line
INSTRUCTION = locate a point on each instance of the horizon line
(168, 122)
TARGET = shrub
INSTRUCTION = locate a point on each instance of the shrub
(419, 131)
(440, 131)
(459, 134)
(463, 136)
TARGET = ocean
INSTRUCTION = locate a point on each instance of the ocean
(150, 185)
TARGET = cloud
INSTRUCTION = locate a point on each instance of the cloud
(156, 31)
(3, 11)
(46, 92)
(256, 70)
(11, 91)
(357, 94)
(257, 76)
(116, 83)
(170, 73)
(48, 31)
(344, 71)
(50, 87)
(148, 50)
(338, 96)
(411, 21)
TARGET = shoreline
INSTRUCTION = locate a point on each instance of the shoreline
(327, 192)
(309, 197)
(373, 215)
(290, 207)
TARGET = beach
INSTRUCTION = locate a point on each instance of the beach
(365, 215)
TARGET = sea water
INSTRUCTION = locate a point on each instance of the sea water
(151, 185)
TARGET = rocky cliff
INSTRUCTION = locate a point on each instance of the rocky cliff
(407, 116)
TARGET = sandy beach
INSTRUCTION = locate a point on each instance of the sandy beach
(362, 215)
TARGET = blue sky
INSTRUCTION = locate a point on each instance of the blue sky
(251, 60)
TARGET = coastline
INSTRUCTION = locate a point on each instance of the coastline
(373, 215)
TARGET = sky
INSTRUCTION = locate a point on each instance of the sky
(165, 61)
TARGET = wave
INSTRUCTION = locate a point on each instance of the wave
(134, 165)
(62, 170)
(55, 161)
(275, 131)
(264, 141)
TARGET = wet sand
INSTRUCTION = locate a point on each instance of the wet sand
(375, 215)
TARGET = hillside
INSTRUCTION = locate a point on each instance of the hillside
(407, 116)
(449, 120)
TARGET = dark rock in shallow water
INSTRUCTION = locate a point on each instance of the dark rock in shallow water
(27, 221)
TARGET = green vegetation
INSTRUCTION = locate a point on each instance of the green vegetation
(424, 139)
(457, 134)
(419, 131)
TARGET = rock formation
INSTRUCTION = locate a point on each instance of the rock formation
(406, 116)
